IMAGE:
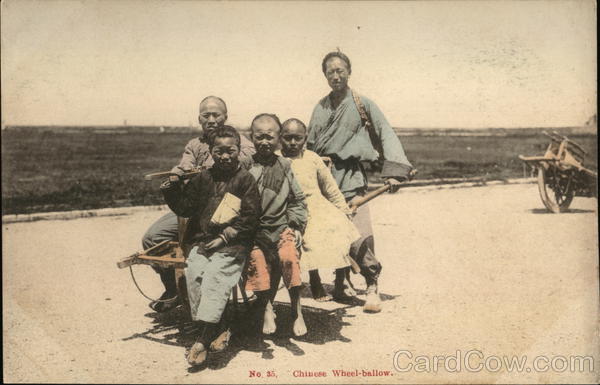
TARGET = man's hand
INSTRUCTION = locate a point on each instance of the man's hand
(215, 244)
(352, 212)
(394, 184)
(353, 201)
(174, 178)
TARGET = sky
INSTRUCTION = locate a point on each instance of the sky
(460, 64)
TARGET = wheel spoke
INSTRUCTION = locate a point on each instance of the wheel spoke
(558, 198)
(562, 188)
(555, 188)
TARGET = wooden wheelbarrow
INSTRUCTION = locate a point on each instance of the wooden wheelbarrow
(561, 174)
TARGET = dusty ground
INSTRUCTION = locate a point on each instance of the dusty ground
(481, 268)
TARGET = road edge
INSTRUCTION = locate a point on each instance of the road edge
(418, 185)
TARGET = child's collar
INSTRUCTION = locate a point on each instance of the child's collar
(265, 161)
(226, 173)
(300, 154)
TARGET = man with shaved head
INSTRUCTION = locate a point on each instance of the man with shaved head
(212, 114)
(350, 129)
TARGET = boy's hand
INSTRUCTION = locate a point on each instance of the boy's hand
(173, 180)
(215, 243)
(394, 184)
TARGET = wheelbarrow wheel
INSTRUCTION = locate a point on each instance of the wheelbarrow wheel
(556, 188)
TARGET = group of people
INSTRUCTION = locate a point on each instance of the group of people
(268, 208)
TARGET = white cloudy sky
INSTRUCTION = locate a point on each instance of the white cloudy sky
(425, 63)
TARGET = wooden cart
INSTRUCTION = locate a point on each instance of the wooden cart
(165, 254)
(561, 174)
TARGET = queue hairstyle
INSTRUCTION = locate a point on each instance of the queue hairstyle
(266, 115)
(338, 54)
(223, 132)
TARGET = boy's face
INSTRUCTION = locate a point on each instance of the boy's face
(225, 153)
(265, 135)
(293, 137)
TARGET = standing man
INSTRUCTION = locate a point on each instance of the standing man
(212, 114)
(337, 130)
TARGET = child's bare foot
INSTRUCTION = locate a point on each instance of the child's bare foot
(197, 354)
(316, 287)
(269, 326)
(221, 342)
(299, 326)
(319, 293)
(343, 286)
(325, 298)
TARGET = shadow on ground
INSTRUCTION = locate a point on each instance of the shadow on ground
(306, 293)
(570, 211)
(175, 328)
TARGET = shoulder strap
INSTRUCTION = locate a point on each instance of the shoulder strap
(366, 121)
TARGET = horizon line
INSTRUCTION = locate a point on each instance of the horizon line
(92, 126)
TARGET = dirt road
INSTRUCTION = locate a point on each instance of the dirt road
(482, 272)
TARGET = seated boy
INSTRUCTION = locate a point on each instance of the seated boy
(281, 224)
(223, 204)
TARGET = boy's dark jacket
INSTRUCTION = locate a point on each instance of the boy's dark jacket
(199, 199)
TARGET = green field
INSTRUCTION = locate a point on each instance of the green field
(46, 171)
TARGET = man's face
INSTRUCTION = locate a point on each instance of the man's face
(211, 115)
(293, 137)
(265, 135)
(337, 74)
(225, 153)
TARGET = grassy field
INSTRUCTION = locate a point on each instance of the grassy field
(61, 171)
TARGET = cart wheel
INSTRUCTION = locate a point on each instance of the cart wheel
(556, 189)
